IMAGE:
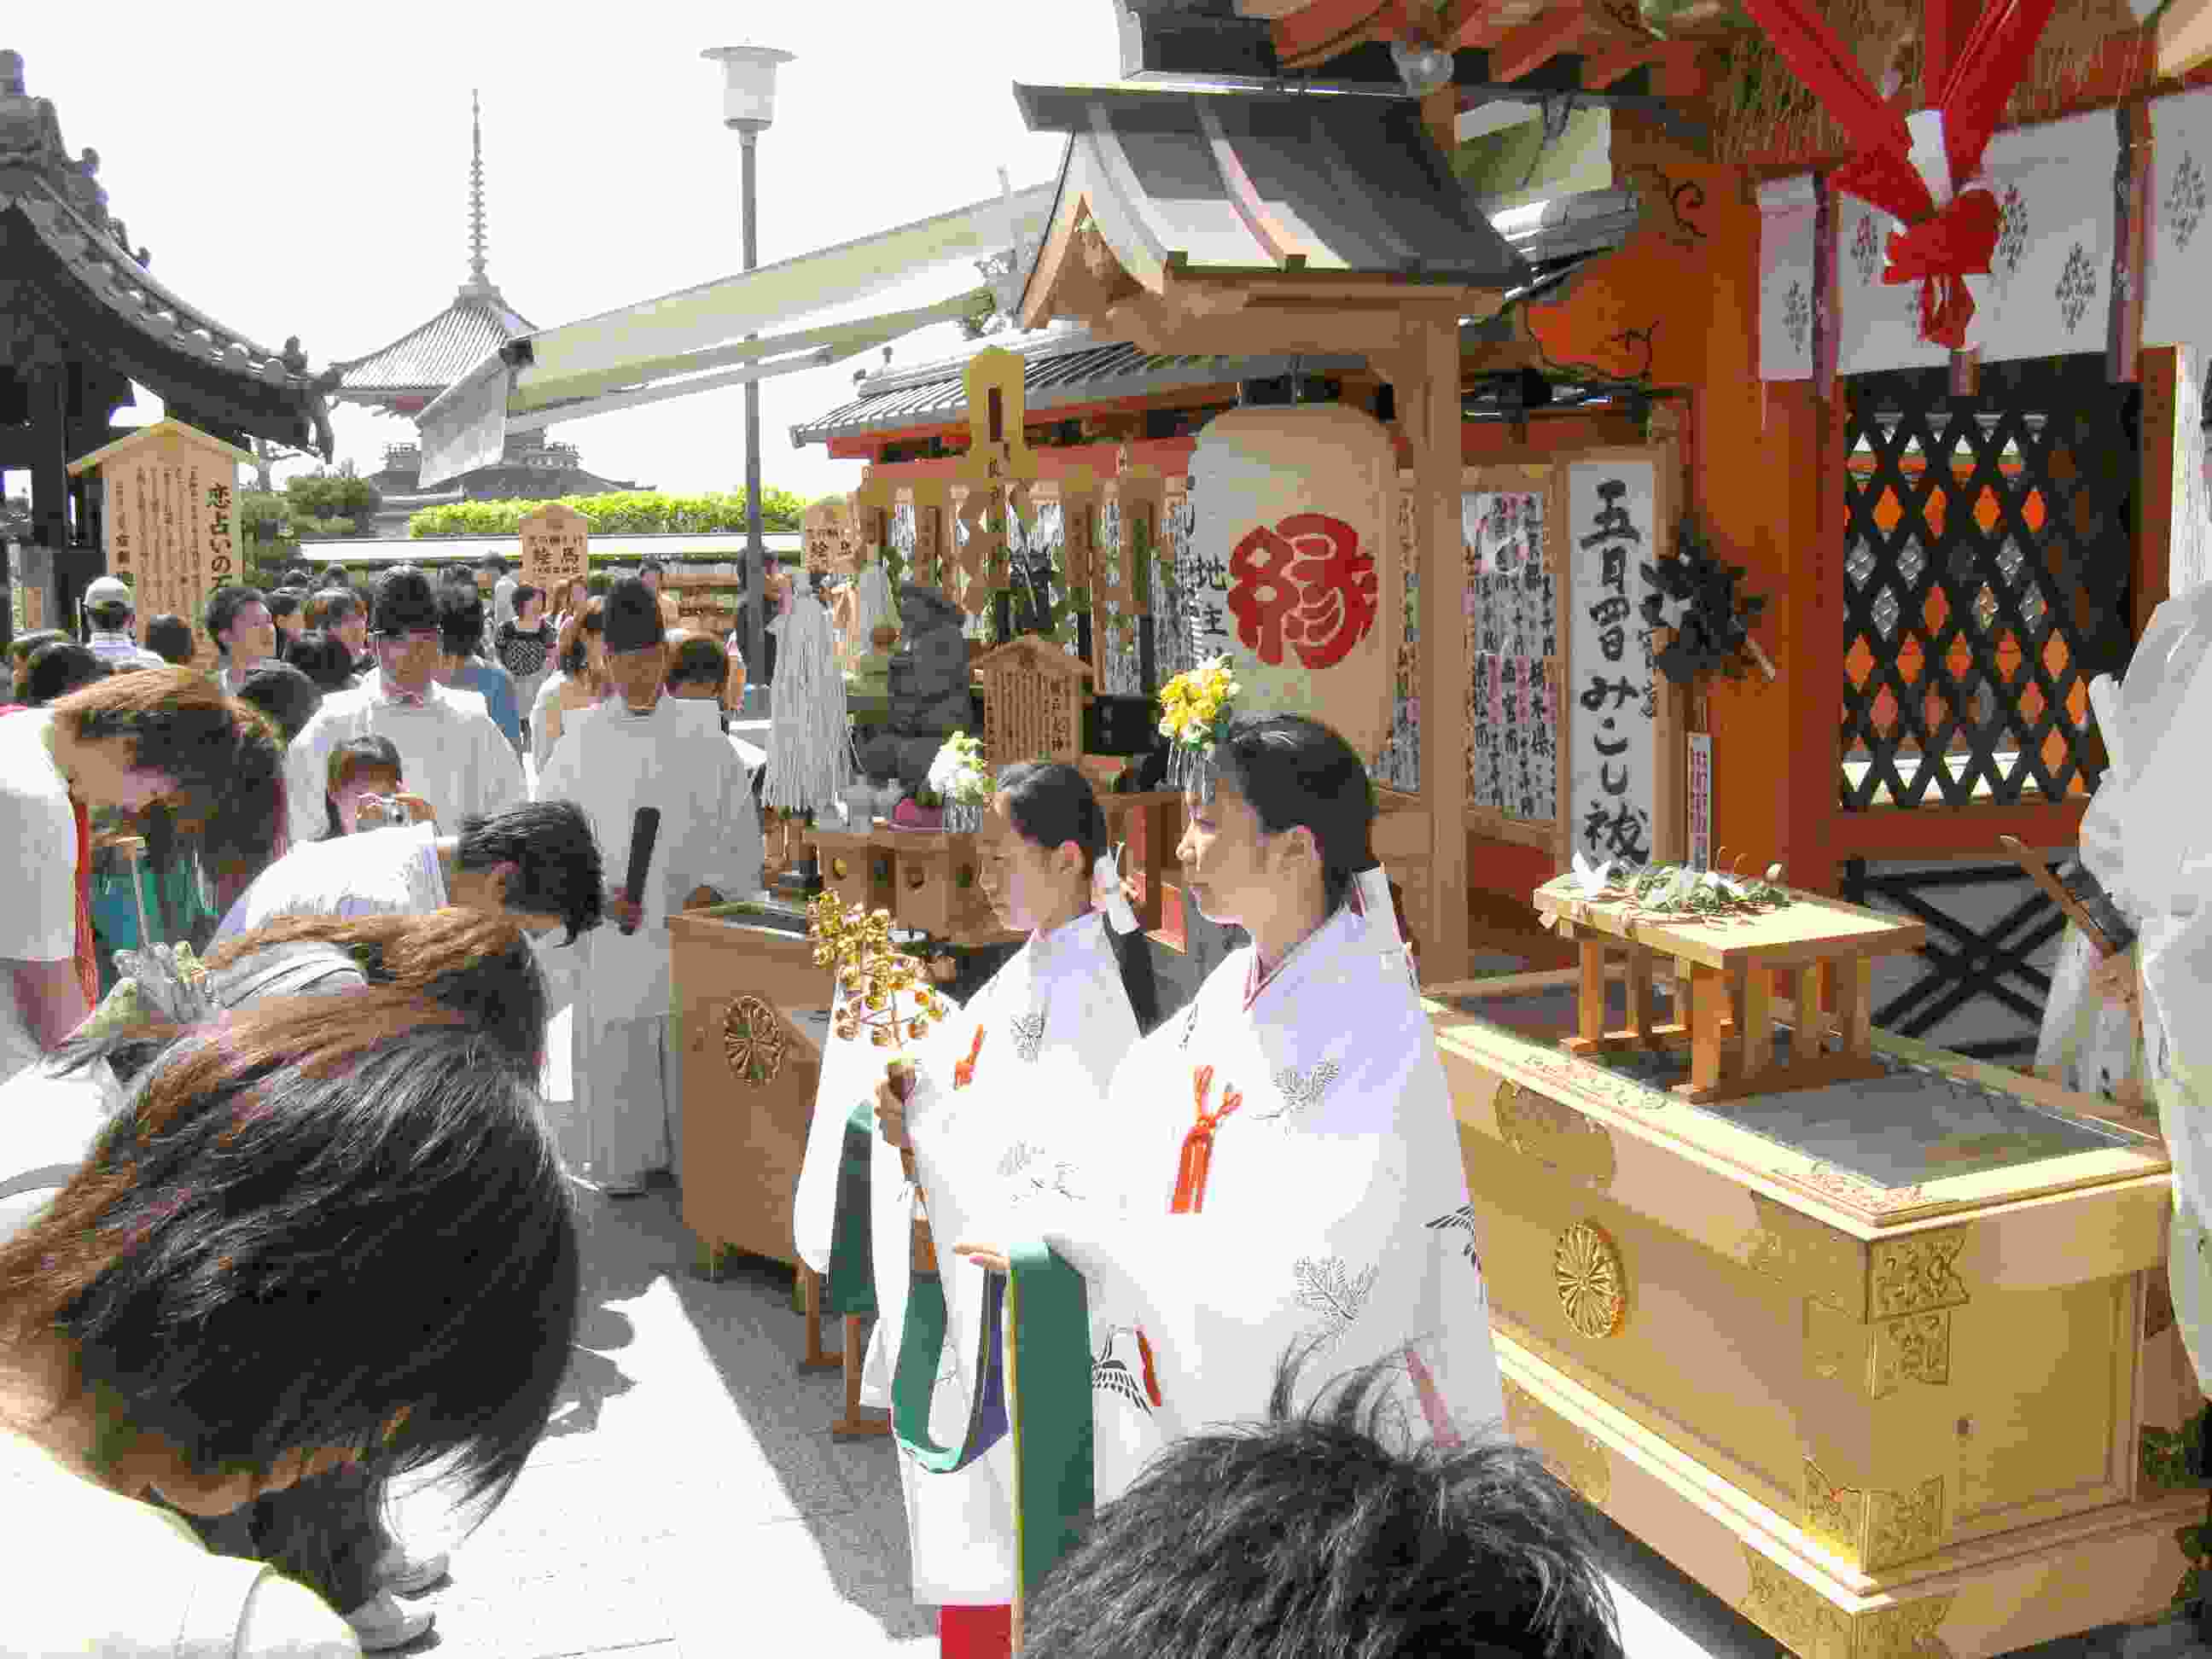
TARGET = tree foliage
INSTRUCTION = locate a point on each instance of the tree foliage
(331, 504)
(623, 512)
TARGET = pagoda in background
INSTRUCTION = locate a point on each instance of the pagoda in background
(404, 377)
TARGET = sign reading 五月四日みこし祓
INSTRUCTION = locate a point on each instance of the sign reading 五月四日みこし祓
(1298, 507)
(555, 546)
(1623, 763)
(171, 515)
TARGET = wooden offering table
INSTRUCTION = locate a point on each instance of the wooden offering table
(1874, 1360)
(751, 1020)
(1725, 1010)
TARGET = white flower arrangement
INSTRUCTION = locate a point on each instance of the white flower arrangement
(957, 775)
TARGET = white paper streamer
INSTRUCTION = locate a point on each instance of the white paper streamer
(808, 747)
(1106, 892)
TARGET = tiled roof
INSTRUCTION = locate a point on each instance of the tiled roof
(432, 357)
(1067, 366)
(78, 277)
(1237, 181)
(1059, 370)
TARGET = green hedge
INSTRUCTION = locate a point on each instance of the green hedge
(623, 512)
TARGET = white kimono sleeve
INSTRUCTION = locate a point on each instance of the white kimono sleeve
(307, 764)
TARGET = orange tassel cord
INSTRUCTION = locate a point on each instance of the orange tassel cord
(964, 1072)
(1197, 1158)
(1151, 1371)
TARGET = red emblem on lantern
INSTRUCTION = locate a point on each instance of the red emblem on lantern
(1304, 584)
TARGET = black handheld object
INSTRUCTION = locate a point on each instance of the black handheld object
(644, 831)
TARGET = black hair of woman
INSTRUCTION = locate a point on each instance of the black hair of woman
(348, 760)
(1051, 804)
(58, 668)
(323, 657)
(199, 1285)
(284, 693)
(1297, 773)
(170, 636)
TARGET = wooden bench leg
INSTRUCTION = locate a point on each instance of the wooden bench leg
(1756, 1020)
(1591, 1006)
(816, 1358)
(1806, 1040)
(858, 1422)
(1709, 1000)
(1640, 1020)
(1855, 1005)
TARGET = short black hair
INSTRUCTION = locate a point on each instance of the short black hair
(524, 592)
(58, 668)
(701, 657)
(170, 636)
(223, 608)
(653, 567)
(298, 576)
(461, 621)
(1324, 1534)
(556, 857)
(23, 644)
(338, 603)
(283, 601)
(284, 693)
(323, 657)
(336, 575)
(208, 1264)
(347, 761)
(1295, 772)
(457, 576)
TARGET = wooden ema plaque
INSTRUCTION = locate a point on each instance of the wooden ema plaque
(555, 546)
(1725, 1003)
(172, 529)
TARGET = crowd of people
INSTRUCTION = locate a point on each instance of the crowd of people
(294, 1072)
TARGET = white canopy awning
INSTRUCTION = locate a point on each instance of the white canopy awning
(695, 340)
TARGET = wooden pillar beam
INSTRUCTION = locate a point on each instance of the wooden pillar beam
(1536, 42)
(2164, 454)
(1428, 398)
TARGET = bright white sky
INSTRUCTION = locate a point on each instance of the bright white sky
(306, 173)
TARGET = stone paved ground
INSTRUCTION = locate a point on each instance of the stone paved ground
(689, 1500)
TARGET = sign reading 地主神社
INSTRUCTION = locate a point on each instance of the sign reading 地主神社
(1293, 538)
(171, 519)
(1616, 796)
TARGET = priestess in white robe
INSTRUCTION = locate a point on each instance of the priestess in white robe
(1332, 1208)
(1002, 1085)
(2145, 837)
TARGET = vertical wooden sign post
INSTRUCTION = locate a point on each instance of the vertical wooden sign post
(998, 469)
(555, 546)
(171, 519)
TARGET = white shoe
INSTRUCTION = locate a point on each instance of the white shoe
(381, 1624)
(410, 1575)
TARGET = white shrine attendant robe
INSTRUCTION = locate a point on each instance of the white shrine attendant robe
(1055, 1022)
(378, 872)
(451, 753)
(610, 761)
(1335, 1207)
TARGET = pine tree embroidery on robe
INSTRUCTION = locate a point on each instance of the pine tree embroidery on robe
(1302, 1090)
(1029, 1035)
(1331, 1289)
(1463, 1219)
(1131, 1375)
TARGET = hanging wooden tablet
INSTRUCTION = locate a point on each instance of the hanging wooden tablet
(1079, 528)
(932, 533)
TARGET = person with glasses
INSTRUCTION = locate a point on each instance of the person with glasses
(456, 757)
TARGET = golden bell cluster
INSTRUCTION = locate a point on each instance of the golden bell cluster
(872, 975)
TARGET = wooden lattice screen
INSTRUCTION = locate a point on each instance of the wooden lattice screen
(1989, 541)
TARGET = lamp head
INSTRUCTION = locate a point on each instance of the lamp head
(748, 84)
(1423, 68)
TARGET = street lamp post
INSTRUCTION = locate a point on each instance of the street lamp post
(749, 106)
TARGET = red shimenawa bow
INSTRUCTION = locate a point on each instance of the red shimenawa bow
(1975, 71)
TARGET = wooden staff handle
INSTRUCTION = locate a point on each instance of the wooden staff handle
(2040, 873)
(901, 1079)
(133, 849)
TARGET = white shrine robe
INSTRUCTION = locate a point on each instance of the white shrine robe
(610, 761)
(1335, 1207)
(451, 753)
(1056, 1023)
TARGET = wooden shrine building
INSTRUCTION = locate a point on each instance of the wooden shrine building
(82, 317)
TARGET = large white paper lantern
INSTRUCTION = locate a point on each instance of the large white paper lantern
(1294, 512)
